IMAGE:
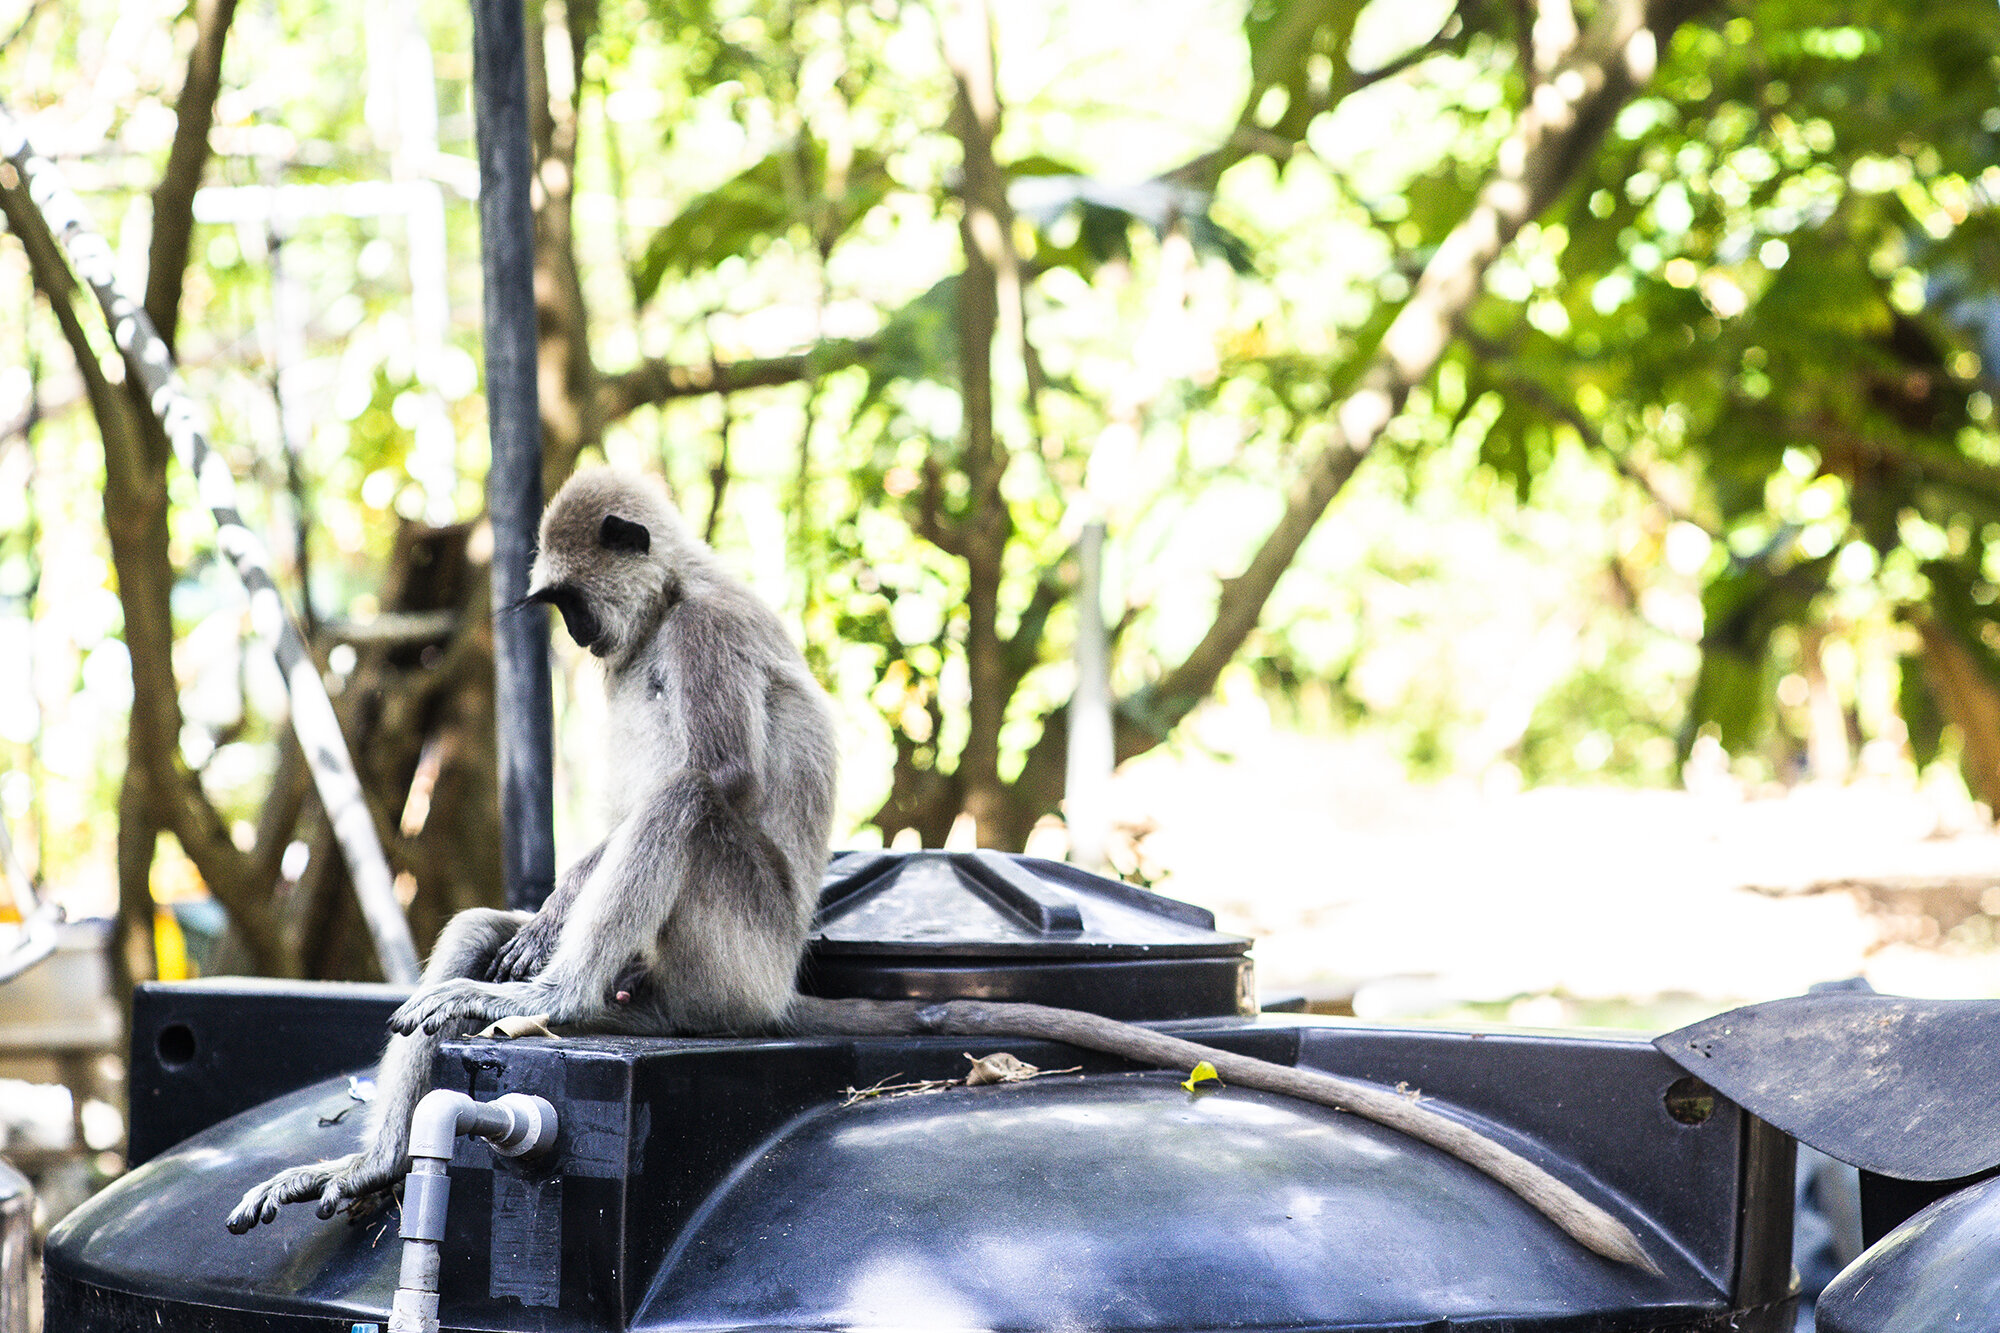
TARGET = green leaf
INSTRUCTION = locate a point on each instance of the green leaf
(1921, 717)
(1742, 607)
(787, 190)
(1106, 212)
(919, 342)
(1284, 36)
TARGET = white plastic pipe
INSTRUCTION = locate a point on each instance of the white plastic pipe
(516, 1124)
(17, 1211)
(1092, 752)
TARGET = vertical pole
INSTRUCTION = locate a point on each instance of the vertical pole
(1087, 781)
(523, 709)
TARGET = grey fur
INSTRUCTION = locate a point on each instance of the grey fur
(695, 908)
(691, 917)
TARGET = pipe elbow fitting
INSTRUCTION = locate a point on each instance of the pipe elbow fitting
(517, 1124)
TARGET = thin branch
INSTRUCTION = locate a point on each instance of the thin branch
(651, 383)
(1247, 138)
(718, 475)
(187, 162)
(1416, 55)
(931, 523)
(21, 28)
(1024, 647)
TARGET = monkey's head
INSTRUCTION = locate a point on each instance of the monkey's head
(607, 560)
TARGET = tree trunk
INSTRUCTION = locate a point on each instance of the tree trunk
(989, 290)
(572, 416)
(1970, 700)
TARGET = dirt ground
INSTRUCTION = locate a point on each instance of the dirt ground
(1560, 906)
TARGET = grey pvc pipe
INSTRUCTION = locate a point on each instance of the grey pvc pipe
(517, 1124)
(17, 1235)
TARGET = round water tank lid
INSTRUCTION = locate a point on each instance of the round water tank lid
(991, 903)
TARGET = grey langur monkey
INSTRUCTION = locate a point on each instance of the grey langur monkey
(691, 917)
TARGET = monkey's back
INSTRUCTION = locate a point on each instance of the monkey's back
(730, 950)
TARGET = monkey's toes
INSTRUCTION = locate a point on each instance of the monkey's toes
(259, 1205)
(244, 1216)
(349, 1189)
(415, 1013)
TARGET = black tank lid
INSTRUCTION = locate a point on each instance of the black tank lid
(993, 926)
(991, 903)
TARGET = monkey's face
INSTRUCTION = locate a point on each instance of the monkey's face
(600, 564)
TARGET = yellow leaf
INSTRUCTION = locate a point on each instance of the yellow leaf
(1203, 1073)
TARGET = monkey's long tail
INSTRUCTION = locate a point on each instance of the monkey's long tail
(1589, 1225)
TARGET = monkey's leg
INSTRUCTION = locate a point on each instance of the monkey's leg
(467, 943)
(670, 844)
(1586, 1223)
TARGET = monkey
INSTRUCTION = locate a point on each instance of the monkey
(690, 918)
(719, 828)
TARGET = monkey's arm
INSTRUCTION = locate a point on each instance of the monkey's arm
(535, 943)
(1585, 1222)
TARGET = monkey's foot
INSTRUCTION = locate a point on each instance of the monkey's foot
(341, 1183)
(467, 1005)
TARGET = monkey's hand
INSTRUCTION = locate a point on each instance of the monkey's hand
(528, 951)
(341, 1183)
(464, 1004)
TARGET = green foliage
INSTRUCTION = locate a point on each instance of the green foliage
(790, 189)
(1732, 394)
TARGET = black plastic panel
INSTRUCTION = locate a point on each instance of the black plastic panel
(1897, 1086)
(204, 1050)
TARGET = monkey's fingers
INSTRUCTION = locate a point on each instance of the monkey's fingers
(459, 1004)
(518, 959)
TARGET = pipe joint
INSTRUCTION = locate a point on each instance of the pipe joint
(517, 1124)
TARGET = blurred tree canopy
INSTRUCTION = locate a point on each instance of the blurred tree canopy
(1558, 389)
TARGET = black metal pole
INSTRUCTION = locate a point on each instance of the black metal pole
(523, 707)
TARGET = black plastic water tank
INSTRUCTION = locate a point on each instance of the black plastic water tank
(736, 1184)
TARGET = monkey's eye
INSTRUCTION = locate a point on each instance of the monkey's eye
(622, 534)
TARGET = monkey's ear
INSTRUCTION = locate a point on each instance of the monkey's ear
(622, 534)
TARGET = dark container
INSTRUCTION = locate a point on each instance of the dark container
(736, 1184)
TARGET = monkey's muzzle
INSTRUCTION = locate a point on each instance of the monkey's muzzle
(582, 625)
